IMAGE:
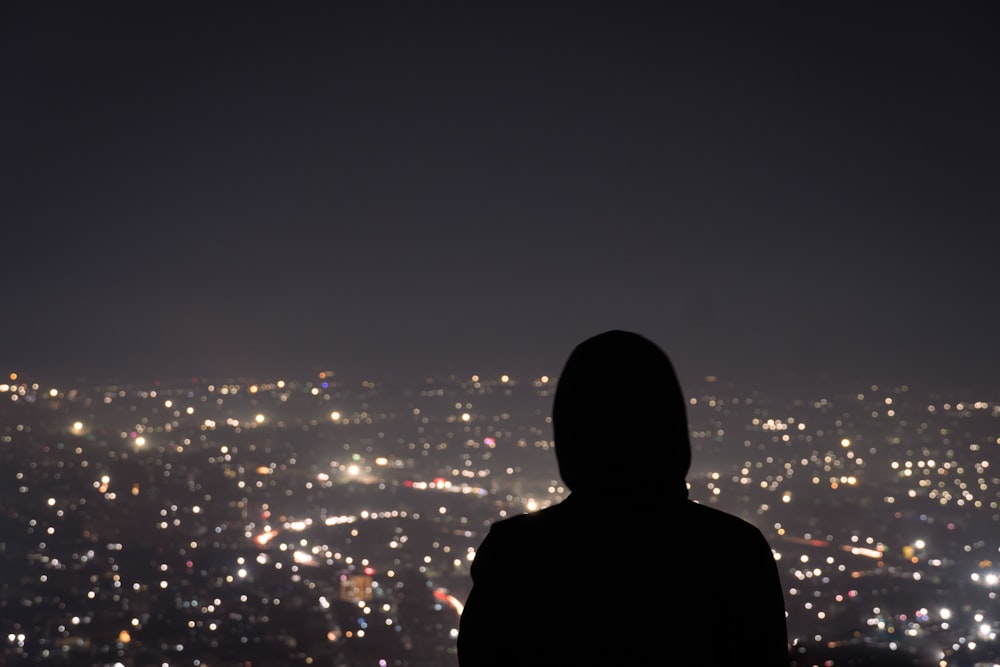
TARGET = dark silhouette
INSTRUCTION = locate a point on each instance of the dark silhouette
(626, 570)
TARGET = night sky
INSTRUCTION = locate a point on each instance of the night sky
(782, 195)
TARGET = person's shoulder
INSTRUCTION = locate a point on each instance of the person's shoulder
(711, 516)
(512, 539)
(530, 521)
(528, 530)
(709, 513)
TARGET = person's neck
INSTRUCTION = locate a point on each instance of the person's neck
(616, 496)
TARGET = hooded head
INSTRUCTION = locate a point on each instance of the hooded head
(619, 418)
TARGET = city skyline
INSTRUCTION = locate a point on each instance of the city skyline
(291, 522)
(779, 196)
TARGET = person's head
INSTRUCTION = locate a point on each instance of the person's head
(619, 418)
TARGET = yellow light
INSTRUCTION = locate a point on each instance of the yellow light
(124, 637)
(335, 415)
(140, 441)
(77, 427)
(845, 443)
(259, 419)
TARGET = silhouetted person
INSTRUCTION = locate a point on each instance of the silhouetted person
(626, 570)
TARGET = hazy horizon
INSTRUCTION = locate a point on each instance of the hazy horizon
(780, 196)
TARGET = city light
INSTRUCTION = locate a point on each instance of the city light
(318, 495)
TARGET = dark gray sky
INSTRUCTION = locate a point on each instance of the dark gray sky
(775, 194)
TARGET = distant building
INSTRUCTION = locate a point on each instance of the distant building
(356, 588)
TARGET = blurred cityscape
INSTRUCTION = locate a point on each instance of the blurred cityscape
(332, 521)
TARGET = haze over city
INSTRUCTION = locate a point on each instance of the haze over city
(324, 521)
(780, 195)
